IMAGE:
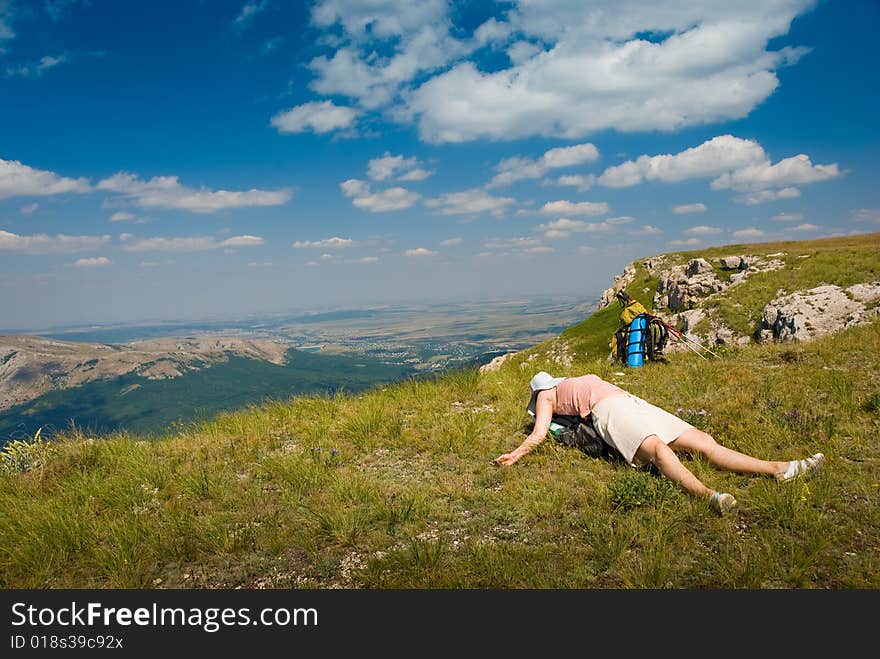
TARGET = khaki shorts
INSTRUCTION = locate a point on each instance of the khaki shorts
(624, 421)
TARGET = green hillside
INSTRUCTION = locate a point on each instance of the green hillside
(395, 488)
(148, 406)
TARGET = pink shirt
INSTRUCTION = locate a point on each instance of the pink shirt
(578, 396)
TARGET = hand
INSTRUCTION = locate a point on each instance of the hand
(507, 459)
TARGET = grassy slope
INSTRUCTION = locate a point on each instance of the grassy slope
(395, 488)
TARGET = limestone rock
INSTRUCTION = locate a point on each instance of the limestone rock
(806, 315)
(496, 363)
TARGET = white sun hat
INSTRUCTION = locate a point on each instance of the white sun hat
(540, 382)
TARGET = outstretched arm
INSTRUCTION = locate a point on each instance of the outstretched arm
(543, 415)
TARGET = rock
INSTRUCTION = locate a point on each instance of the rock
(731, 262)
(806, 315)
(620, 282)
(496, 363)
(865, 292)
(690, 318)
(737, 277)
(697, 267)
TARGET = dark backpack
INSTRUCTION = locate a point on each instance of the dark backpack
(579, 433)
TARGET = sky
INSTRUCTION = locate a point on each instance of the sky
(206, 159)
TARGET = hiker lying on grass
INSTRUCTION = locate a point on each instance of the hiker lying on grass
(643, 433)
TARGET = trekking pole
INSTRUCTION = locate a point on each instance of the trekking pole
(686, 340)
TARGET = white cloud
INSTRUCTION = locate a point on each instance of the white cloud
(764, 196)
(30, 209)
(646, 230)
(866, 214)
(582, 182)
(687, 243)
(259, 264)
(804, 227)
(248, 11)
(392, 199)
(540, 249)
(748, 232)
(451, 242)
(369, 259)
(562, 227)
(388, 166)
(242, 241)
(475, 200)
(18, 180)
(125, 236)
(412, 37)
(702, 230)
(189, 243)
(713, 157)
(35, 68)
(316, 116)
(419, 251)
(787, 217)
(122, 217)
(167, 192)
(517, 243)
(329, 243)
(563, 207)
(519, 168)
(594, 71)
(90, 263)
(42, 243)
(683, 209)
(797, 170)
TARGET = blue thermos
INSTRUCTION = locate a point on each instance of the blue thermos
(635, 346)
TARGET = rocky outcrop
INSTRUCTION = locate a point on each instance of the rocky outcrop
(683, 285)
(806, 315)
(620, 282)
(496, 363)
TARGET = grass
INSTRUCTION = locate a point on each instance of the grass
(395, 488)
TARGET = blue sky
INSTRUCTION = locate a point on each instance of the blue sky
(180, 160)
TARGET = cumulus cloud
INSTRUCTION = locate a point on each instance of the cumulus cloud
(316, 116)
(122, 216)
(687, 243)
(389, 166)
(797, 170)
(563, 227)
(392, 199)
(29, 209)
(329, 243)
(564, 207)
(519, 168)
(646, 230)
(713, 157)
(702, 230)
(248, 11)
(764, 196)
(189, 243)
(90, 263)
(787, 217)
(42, 243)
(595, 71)
(804, 227)
(451, 242)
(748, 232)
(369, 259)
(19, 180)
(36, 68)
(473, 201)
(866, 214)
(582, 182)
(167, 192)
(419, 251)
(683, 209)
(412, 37)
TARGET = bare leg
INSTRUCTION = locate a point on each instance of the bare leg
(661, 456)
(697, 441)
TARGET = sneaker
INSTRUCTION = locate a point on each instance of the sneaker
(800, 467)
(722, 502)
